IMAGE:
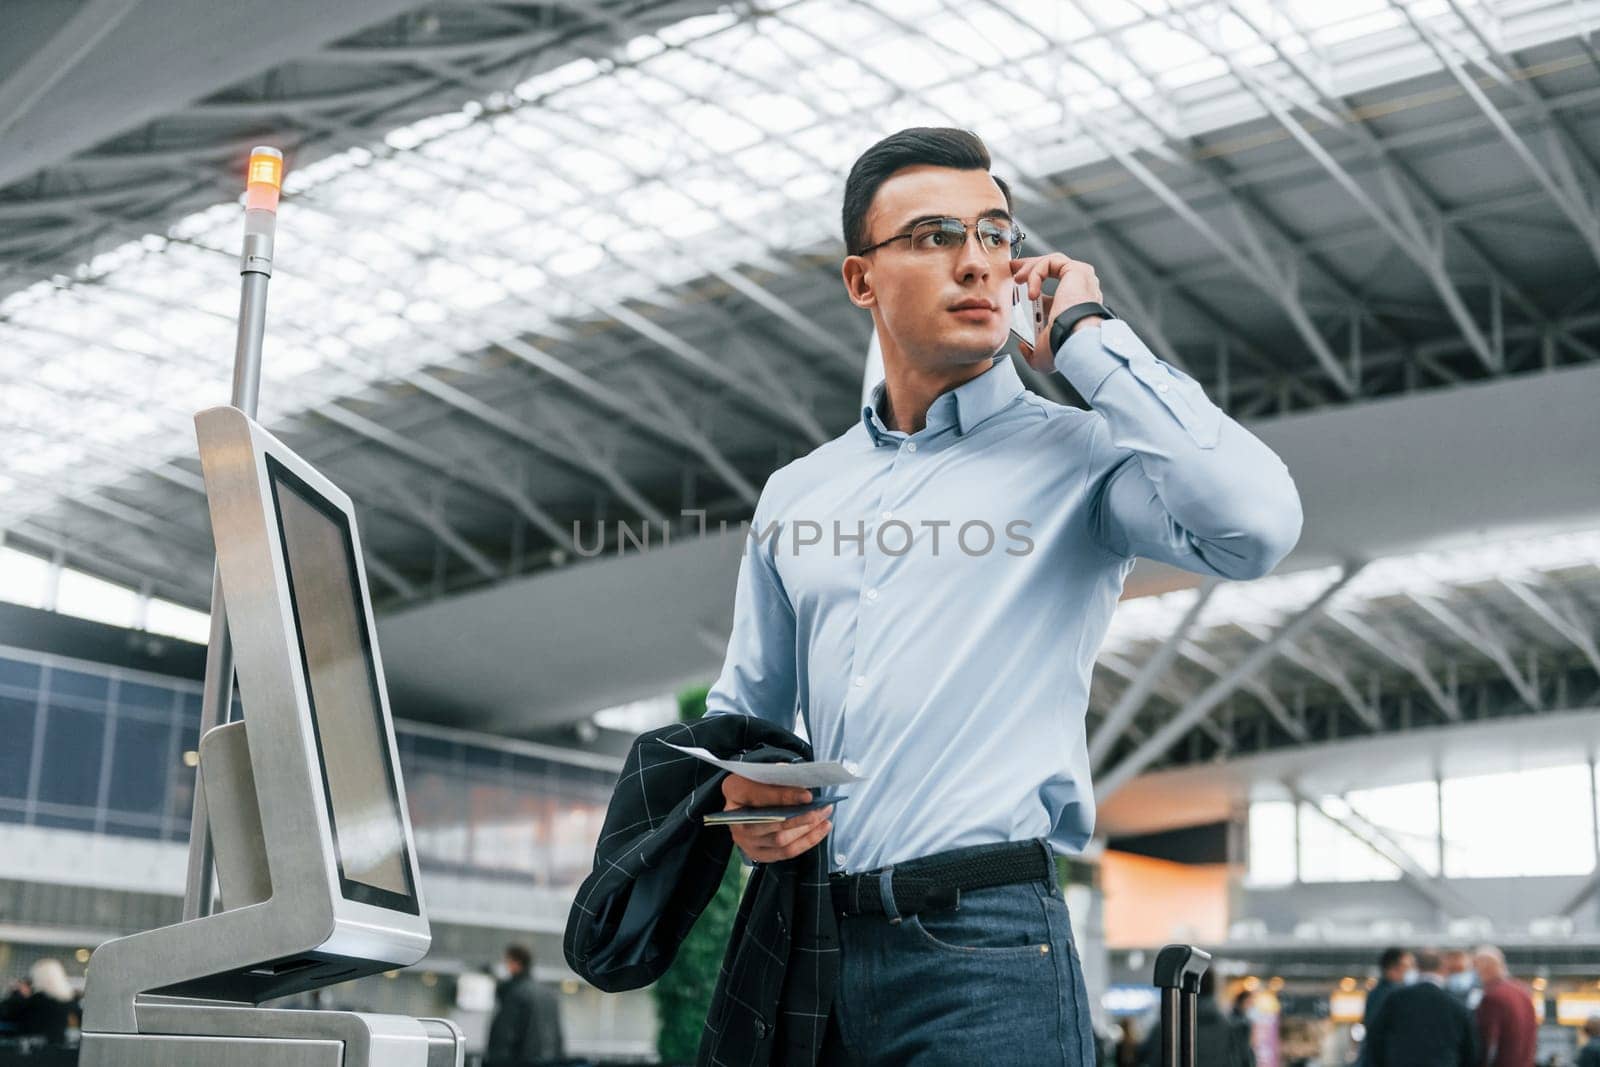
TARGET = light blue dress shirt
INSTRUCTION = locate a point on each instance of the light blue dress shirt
(932, 603)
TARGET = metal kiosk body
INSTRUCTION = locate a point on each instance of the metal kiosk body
(306, 810)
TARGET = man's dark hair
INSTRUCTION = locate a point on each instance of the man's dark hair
(939, 146)
(522, 956)
(1429, 960)
(1391, 958)
(1208, 983)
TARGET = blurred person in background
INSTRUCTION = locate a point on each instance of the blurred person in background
(526, 1029)
(1127, 1045)
(43, 1005)
(1396, 967)
(1507, 1028)
(1460, 980)
(1217, 1042)
(1421, 1025)
(1239, 1016)
(1589, 1055)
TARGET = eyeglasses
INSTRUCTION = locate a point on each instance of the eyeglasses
(997, 236)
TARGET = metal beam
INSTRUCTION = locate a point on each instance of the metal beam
(1401, 654)
(1482, 637)
(1169, 733)
(1567, 622)
(425, 457)
(1133, 698)
(47, 64)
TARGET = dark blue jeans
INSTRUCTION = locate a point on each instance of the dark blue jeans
(995, 981)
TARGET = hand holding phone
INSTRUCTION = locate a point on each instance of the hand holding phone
(1027, 316)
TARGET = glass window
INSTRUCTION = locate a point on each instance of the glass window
(54, 821)
(92, 598)
(126, 827)
(1271, 843)
(19, 674)
(180, 797)
(1330, 853)
(139, 767)
(70, 773)
(146, 698)
(435, 799)
(165, 617)
(24, 579)
(1519, 824)
(576, 829)
(1407, 815)
(16, 726)
(79, 686)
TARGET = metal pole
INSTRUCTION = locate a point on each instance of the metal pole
(255, 269)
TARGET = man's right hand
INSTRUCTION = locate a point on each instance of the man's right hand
(773, 841)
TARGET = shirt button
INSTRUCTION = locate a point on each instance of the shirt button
(872, 594)
(861, 680)
(888, 515)
(838, 857)
(911, 446)
(1163, 387)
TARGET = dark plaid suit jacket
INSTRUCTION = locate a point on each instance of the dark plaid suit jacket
(656, 867)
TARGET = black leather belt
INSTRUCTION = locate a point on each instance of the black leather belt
(931, 883)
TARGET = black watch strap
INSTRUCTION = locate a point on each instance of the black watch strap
(1062, 329)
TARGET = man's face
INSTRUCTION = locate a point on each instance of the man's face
(1398, 971)
(914, 290)
(513, 967)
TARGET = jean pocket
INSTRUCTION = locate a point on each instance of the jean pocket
(1003, 921)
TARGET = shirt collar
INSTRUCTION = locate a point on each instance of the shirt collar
(964, 406)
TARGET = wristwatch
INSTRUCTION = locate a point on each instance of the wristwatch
(1069, 318)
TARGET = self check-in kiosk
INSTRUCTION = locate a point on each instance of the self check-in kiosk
(314, 859)
(301, 802)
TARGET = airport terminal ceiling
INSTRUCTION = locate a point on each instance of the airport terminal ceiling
(543, 264)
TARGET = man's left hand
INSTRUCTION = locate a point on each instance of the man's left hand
(1076, 284)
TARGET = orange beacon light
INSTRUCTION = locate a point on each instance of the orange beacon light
(264, 179)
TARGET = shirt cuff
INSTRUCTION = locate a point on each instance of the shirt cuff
(1084, 360)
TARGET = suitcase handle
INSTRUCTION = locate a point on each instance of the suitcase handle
(1178, 971)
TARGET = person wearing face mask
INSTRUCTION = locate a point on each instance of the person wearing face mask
(526, 1029)
(1420, 1025)
(1394, 967)
(1460, 981)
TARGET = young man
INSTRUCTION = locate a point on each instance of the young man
(933, 594)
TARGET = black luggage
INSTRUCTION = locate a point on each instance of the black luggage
(1178, 971)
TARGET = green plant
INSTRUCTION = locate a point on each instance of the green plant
(683, 994)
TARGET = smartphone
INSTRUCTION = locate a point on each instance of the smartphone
(740, 816)
(1027, 316)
